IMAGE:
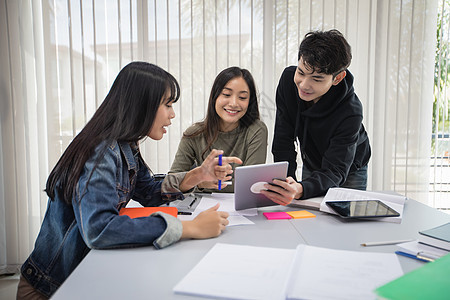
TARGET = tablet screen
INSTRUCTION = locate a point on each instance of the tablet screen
(362, 209)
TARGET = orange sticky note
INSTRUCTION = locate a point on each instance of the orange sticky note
(301, 214)
(136, 212)
(277, 215)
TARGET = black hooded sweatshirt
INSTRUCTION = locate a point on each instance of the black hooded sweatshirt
(333, 141)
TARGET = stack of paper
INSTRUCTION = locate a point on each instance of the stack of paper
(247, 272)
(417, 249)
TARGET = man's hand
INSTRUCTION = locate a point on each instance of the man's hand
(283, 192)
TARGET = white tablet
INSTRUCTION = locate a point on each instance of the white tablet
(248, 181)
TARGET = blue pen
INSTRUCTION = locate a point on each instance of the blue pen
(410, 255)
(220, 163)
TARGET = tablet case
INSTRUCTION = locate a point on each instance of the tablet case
(246, 176)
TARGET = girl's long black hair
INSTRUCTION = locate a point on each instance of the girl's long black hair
(211, 124)
(127, 114)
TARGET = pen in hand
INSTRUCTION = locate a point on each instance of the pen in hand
(220, 163)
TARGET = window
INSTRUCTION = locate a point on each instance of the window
(440, 138)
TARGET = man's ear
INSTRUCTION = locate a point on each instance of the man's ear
(339, 77)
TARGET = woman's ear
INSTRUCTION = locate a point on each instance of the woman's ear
(338, 78)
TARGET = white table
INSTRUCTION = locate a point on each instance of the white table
(146, 273)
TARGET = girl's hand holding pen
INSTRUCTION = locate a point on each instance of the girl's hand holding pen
(213, 171)
(210, 170)
(214, 184)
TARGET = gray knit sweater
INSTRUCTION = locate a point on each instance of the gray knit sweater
(249, 144)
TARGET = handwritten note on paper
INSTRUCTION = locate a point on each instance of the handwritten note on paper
(226, 202)
(322, 273)
(239, 272)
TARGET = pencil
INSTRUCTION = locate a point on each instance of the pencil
(384, 243)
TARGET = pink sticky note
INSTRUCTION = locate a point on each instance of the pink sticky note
(276, 215)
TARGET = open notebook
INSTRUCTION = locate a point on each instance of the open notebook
(308, 272)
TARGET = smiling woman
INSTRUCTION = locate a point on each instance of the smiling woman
(232, 103)
(232, 124)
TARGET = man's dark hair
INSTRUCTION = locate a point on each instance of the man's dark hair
(325, 52)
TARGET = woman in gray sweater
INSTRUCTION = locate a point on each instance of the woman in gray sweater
(232, 124)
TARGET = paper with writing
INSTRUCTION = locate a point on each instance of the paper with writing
(226, 201)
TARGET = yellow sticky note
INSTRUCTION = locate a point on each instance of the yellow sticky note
(301, 214)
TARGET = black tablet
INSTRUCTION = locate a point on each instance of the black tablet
(362, 209)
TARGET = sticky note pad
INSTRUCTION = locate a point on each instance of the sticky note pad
(301, 214)
(276, 215)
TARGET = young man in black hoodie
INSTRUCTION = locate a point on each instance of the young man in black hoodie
(317, 105)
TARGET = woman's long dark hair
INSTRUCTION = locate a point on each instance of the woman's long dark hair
(127, 114)
(211, 124)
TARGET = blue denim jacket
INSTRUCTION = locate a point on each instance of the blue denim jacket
(68, 232)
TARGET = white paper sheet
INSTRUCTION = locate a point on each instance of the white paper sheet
(394, 201)
(227, 204)
(239, 272)
(226, 201)
(322, 273)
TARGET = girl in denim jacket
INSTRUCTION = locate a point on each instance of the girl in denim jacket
(102, 169)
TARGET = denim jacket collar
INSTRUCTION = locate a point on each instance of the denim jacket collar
(128, 155)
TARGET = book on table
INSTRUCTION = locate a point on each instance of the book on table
(437, 237)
